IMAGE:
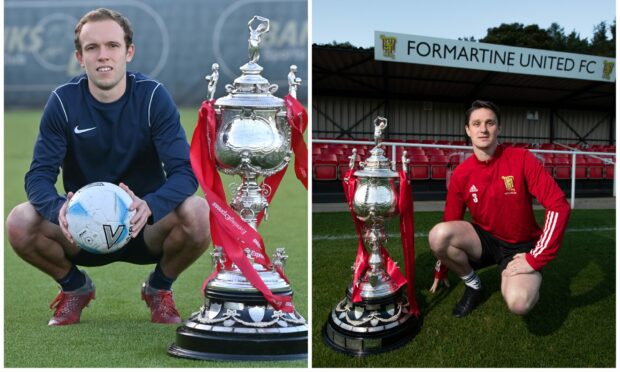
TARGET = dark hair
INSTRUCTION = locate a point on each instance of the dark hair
(478, 104)
(102, 14)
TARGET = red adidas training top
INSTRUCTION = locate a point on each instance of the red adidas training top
(499, 192)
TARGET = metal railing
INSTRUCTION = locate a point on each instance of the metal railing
(573, 153)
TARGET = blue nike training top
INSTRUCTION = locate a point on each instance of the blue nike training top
(137, 140)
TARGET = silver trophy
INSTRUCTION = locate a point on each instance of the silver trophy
(382, 320)
(253, 139)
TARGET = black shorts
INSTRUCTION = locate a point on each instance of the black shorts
(496, 251)
(135, 252)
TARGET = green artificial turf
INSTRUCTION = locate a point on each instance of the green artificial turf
(573, 324)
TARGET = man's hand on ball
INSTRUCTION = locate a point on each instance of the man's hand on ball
(62, 219)
(143, 212)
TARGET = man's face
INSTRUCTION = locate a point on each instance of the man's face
(104, 54)
(483, 128)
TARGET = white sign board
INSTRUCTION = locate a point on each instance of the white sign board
(426, 50)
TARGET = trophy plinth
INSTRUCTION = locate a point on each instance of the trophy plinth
(253, 139)
(382, 320)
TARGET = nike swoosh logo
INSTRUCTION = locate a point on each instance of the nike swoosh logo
(76, 130)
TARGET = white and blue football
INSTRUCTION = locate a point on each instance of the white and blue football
(99, 217)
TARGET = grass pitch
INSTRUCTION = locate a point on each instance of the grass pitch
(573, 324)
(115, 330)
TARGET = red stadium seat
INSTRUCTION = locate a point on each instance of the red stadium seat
(419, 168)
(414, 151)
(609, 171)
(325, 167)
(411, 151)
(433, 151)
(562, 168)
(419, 159)
(581, 171)
(548, 163)
(333, 150)
(439, 167)
(595, 168)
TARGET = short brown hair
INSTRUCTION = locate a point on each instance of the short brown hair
(478, 104)
(102, 14)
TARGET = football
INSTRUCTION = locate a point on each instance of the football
(98, 216)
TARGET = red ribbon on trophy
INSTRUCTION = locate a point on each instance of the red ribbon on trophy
(407, 236)
(228, 230)
(405, 205)
(361, 259)
(298, 120)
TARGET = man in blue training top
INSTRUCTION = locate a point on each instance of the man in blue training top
(116, 126)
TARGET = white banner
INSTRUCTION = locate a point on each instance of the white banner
(426, 50)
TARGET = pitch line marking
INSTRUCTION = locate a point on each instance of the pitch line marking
(424, 235)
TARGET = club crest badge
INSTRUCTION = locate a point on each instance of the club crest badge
(509, 184)
(388, 44)
(608, 68)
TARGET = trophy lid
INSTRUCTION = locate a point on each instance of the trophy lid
(252, 89)
(377, 165)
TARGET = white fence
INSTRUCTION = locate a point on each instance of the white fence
(573, 156)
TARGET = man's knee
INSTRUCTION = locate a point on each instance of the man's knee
(20, 226)
(520, 301)
(439, 237)
(194, 217)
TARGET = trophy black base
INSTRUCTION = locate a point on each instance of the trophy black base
(193, 343)
(241, 328)
(371, 327)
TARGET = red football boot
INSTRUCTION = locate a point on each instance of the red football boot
(69, 304)
(161, 303)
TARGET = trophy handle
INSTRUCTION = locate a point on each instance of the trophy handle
(230, 88)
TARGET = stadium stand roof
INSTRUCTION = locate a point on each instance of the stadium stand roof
(355, 73)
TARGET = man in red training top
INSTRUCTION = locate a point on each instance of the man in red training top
(497, 185)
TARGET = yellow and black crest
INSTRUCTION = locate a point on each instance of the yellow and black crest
(388, 44)
(608, 68)
(509, 183)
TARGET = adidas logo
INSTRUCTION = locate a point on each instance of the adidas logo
(473, 188)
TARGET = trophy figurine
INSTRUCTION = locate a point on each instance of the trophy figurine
(293, 81)
(376, 315)
(252, 139)
(212, 79)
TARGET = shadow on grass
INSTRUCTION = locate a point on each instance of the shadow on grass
(561, 280)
